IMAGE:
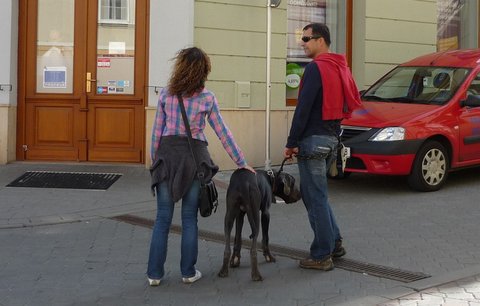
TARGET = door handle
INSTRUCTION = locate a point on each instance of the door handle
(89, 81)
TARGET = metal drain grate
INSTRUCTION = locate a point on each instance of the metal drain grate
(380, 271)
(72, 180)
(135, 220)
(341, 263)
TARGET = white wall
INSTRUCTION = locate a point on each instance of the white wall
(8, 51)
(8, 77)
(171, 29)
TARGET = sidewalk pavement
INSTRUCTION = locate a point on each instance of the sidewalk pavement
(67, 247)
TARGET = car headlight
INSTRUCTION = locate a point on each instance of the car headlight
(389, 134)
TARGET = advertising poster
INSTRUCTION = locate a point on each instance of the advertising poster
(55, 77)
(299, 14)
(449, 24)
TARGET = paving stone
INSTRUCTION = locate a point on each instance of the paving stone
(72, 254)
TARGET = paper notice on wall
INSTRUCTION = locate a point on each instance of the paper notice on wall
(103, 62)
(55, 77)
(116, 47)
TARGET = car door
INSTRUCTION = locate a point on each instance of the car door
(469, 126)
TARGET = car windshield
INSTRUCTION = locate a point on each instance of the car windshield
(417, 85)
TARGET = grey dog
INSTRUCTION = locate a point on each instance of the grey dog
(250, 194)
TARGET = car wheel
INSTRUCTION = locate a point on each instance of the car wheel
(430, 168)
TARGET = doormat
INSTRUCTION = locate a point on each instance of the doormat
(72, 180)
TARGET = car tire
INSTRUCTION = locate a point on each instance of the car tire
(430, 167)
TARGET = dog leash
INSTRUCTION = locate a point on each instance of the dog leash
(283, 163)
(271, 174)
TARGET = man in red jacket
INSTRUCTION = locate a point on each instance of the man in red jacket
(327, 95)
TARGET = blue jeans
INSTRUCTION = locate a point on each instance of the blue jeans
(313, 186)
(189, 244)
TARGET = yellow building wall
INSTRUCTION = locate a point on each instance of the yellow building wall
(389, 32)
(8, 115)
(234, 34)
(248, 128)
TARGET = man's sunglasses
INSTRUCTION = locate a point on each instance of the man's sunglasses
(307, 38)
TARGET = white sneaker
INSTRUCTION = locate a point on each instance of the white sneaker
(154, 282)
(189, 280)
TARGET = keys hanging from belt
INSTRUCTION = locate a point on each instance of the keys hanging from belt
(319, 153)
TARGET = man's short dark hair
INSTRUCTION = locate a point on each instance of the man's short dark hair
(319, 29)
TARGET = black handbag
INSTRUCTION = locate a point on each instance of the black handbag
(208, 195)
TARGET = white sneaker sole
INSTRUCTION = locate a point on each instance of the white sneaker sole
(154, 282)
(196, 277)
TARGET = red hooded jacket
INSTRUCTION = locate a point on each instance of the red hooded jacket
(340, 93)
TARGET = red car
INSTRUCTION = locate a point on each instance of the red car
(422, 119)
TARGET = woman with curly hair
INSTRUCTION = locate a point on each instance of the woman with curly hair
(173, 168)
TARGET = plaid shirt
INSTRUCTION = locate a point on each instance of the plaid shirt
(168, 122)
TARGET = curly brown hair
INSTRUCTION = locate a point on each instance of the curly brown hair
(192, 66)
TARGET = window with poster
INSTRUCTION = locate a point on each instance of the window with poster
(457, 26)
(300, 13)
(116, 47)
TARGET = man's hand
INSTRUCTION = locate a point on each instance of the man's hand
(290, 152)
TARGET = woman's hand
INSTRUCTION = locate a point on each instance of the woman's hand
(249, 169)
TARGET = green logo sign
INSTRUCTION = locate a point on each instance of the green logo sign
(294, 74)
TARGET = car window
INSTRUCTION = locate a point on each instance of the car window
(418, 85)
(474, 87)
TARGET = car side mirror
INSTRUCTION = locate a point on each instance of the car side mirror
(471, 101)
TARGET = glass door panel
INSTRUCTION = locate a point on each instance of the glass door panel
(115, 47)
(55, 46)
(86, 100)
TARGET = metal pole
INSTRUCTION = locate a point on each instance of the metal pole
(268, 164)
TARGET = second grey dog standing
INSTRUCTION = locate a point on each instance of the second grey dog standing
(251, 194)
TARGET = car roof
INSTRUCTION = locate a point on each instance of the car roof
(468, 58)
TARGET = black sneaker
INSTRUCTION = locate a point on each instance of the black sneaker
(339, 250)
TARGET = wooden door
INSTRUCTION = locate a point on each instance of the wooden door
(82, 82)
